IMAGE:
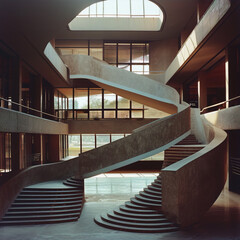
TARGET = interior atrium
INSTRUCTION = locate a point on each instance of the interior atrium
(119, 119)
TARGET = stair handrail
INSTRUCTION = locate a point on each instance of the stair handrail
(29, 108)
(218, 104)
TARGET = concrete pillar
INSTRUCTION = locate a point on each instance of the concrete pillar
(202, 90)
(15, 151)
(53, 149)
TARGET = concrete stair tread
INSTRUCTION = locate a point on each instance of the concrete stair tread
(138, 225)
(153, 192)
(138, 214)
(159, 185)
(138, 219)
(35, 212)
(44, 191)
(136, 206)
(145, 204)
(146, 199)
(42, 196)
(42, 200)
(47, 203)
(142, 210)
(39, 217)
(44, 221)
(151, 196)
(45, 208)
(99, 221)
(154, 188)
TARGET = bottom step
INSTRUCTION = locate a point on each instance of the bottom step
(102, 223)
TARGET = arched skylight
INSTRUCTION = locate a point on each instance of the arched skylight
(119, 15)
(123, 8)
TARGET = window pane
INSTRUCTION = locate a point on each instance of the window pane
(80, 51)
(100, 9)
(110, 52)
(110, 8)
(151, 8)
(70, 114)
(137, 105)
(55, 99)
(93, 10)
(97, 53)
(95, 98)
(88, 142)
(81, 114)
(102, 139)
(67, 92)
(84, 12)
(65, 51)
(74, 145)
(115, 137)
(124, 8)
(146, 54)
(137, 7)
(123, 102)
(138, 51)
(137, 69)
(123, 114)
(146, 69)
(80, 98)
(137, 114)
(124, 67)
(153, 113)
(109, 100)
(124, 52)
(95, 114)
(109, 114)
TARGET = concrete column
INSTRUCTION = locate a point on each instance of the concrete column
(15, 151)
(202, 90)
(53, 143)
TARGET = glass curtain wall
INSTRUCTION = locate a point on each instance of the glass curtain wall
(132, 57)
(96, 103)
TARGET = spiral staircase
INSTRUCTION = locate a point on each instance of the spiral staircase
(158, 207)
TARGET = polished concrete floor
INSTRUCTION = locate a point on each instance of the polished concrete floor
(108, 191)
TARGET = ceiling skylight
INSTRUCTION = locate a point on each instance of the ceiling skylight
(128, 15)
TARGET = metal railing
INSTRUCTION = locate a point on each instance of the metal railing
(41, 113)
(219, 104)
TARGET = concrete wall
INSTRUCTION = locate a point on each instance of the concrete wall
(161, 54)
(18, 122)
(106, 125)
(214, 14)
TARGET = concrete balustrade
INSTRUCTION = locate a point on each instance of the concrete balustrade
(191, 186)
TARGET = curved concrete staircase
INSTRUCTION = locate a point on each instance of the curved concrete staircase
(143, 213)
(143, 142)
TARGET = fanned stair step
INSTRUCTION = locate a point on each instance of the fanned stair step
(44, 205)
(73, 182)
(143, 212)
